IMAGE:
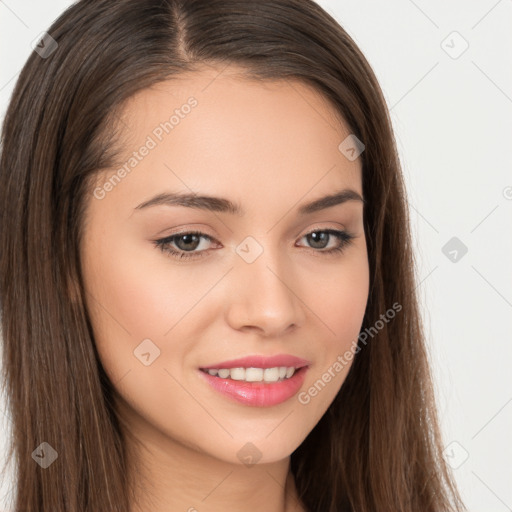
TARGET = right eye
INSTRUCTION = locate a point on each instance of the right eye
(186, 244)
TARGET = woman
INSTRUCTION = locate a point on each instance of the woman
(207, 285)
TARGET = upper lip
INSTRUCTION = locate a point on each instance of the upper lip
(258, 361)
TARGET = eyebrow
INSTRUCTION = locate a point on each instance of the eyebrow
(220, 204)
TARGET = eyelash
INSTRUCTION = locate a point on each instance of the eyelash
(164, 243)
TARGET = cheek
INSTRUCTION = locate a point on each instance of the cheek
(341, 301)
(345, 309)
(135, 291)
(341, 304)
(136, 295)
(126, 301)
(140, 307)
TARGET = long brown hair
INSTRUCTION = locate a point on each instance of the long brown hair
(378, 446)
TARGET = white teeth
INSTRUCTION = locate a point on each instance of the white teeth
(254, 374)
(237, 373)
(271, 374)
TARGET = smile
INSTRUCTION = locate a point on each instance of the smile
(258, 381)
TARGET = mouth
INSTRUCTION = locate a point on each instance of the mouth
(258, 380)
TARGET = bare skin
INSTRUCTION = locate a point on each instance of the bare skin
(270, 147)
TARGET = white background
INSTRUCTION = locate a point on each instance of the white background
(453, 123)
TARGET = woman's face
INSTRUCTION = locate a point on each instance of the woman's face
(253, 284)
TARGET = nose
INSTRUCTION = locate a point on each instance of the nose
(264, 296)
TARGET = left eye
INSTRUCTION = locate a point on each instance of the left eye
(188, 242)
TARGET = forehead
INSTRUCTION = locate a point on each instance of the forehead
(231, 89)
(232, 104)
(214, 127)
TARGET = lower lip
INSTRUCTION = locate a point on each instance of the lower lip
(258, 394)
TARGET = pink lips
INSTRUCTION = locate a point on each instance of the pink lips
(259, 394)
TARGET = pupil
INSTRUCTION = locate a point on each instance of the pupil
(319, 235)
(188, 239)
